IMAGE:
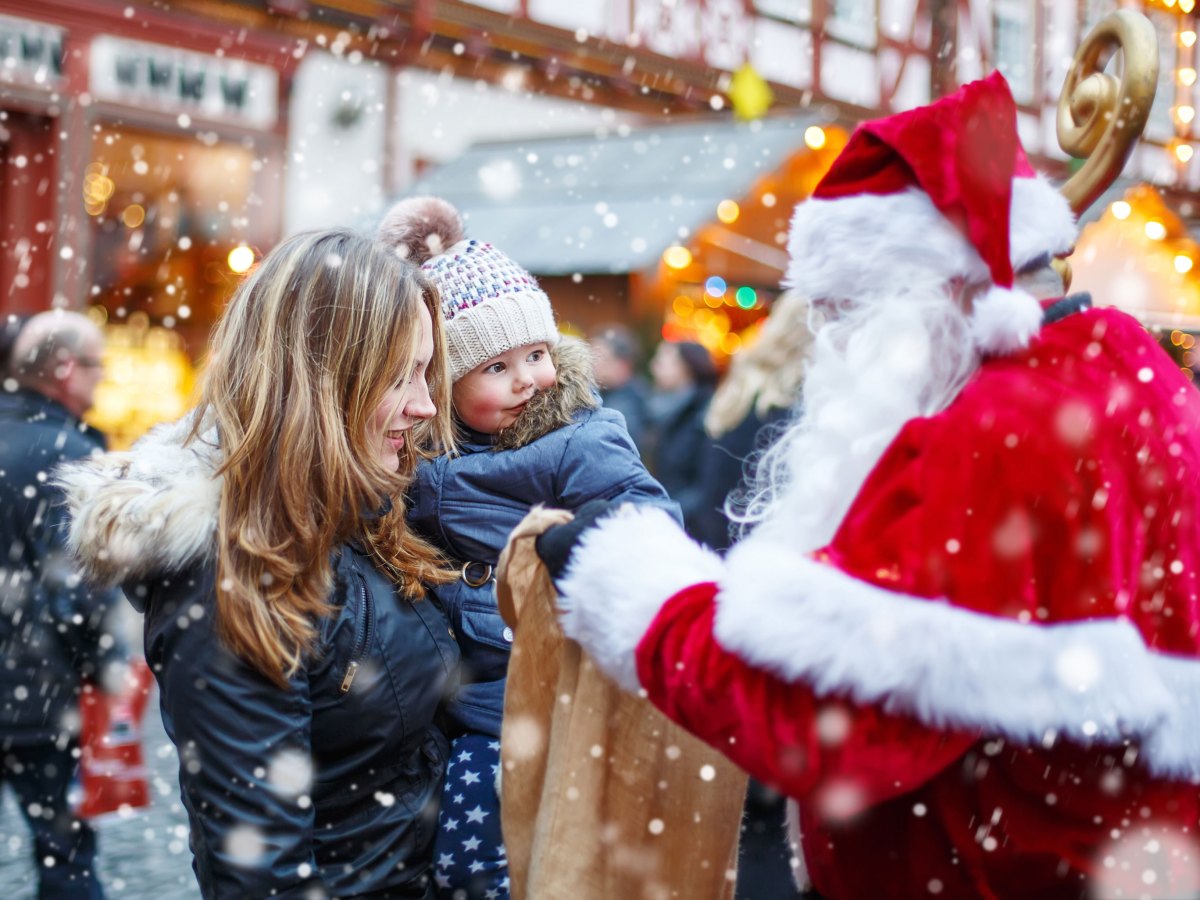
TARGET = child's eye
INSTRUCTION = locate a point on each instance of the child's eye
(536, 356)
(495, 368)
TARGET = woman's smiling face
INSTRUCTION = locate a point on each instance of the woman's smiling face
(407, 402)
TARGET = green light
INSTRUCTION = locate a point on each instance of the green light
(746, 298)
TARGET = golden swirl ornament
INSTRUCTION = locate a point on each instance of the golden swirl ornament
(1101, 117)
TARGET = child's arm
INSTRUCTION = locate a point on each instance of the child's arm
(601, 462)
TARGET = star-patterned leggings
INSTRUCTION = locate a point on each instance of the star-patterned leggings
(469, 859)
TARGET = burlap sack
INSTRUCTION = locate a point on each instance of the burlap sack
(602, 796)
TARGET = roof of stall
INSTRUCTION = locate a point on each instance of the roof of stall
(608, 204)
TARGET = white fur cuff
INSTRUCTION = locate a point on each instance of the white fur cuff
(1094, 682)
(620, 576)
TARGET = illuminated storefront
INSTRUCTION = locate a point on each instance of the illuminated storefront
(1139, 256)
(139, 179)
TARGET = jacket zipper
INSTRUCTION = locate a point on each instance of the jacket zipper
(364, 641)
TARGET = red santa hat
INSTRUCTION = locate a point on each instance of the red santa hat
(937, 192)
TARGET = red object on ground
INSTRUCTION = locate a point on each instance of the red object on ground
(112, 772)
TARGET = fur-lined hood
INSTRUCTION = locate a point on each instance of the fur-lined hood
(574, 390)
(146, 511)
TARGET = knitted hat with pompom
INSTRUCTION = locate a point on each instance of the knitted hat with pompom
(489, 303)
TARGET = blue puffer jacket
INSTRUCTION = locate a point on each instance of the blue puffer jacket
(327, 787)
(562, 452)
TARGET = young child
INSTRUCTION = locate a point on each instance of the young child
(531, 431)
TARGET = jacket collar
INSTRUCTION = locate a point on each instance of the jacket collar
(1056, 310)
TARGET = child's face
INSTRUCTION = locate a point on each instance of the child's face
(494, 393)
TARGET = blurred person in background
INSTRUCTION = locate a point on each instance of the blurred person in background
(750, 409)
(55, 631)
(753, 405)
(615, 358)
(300, 665)
(684, 378)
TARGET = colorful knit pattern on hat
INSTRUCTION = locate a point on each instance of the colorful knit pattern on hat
(489, 304)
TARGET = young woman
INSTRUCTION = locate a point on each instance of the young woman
(300, 666)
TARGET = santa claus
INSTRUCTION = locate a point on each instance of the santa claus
(963, 630)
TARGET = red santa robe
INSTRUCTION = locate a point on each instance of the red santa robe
(987, 684)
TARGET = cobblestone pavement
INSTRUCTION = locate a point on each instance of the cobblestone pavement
(142, 857)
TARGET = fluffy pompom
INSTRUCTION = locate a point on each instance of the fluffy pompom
(421, 228)
(1005, 320)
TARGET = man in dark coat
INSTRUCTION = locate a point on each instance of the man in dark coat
(52, 627)
(615, 359)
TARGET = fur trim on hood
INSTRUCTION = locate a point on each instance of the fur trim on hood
(147, 511)
(574, 390)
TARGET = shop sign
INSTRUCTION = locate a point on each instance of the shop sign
(184, 83)
(30, 52)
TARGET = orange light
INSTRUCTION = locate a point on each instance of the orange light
(240, 259)
(728, 211)
(677, 257)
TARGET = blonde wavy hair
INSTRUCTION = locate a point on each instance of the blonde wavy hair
(301, 358)
(768, 373)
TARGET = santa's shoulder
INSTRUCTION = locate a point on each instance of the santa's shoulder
(1091, 377)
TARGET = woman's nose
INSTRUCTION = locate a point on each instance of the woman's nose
(420, 406)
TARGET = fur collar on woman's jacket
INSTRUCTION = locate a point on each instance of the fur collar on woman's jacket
(146, 511)
(574, 389)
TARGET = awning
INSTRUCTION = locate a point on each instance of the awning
(609, 204)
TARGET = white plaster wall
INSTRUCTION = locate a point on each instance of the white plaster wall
(782, 53)
(597, 17)
(438, 116)
(914, 84)
(1058, 45)
(334, 174)
(504, 6)
(1029, 130)
(849, 74)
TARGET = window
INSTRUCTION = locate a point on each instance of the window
(1093, 12)
(1012, 46)
(1160, 125)
(852, 21)
(798, 12)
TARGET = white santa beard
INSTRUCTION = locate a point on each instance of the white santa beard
(882, 362)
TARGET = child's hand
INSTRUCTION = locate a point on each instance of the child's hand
(554, 545)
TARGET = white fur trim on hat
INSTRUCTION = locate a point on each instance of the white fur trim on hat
(1040, 221)
(861, 245)
(1004, 321)
(853, 247)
